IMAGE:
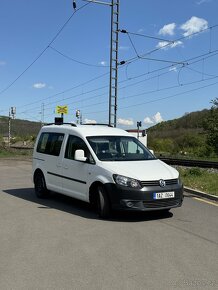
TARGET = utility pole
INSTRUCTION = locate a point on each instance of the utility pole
(42, 114)
(139, 124)
(78, 117)
(114, 4)
(114, 63)
(12, 114)
(9, 129)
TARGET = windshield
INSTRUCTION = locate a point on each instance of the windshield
(119, 148)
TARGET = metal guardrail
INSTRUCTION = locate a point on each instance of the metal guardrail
(190, 163)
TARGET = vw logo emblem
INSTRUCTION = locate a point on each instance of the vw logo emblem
(162, 183)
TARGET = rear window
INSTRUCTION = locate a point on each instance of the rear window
(50, 143)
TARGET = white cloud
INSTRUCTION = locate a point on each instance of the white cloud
(194, 25)
(163, 44)
(173, 68)
(202, 2)
(141, 30)
(88, 121)
(168, 29)
(39, 85)
(126, 122)
(2, 62)
(121, 47)
(176, 43)
(157, 118)
(103, 62)
(148, 121)
(167, 45)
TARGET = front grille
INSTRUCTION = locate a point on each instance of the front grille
(156, 182)
(161, 203)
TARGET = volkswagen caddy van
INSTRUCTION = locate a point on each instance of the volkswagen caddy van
(104, 166)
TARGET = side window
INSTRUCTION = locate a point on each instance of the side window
(50, 143)
(74, 143)
(42, 142)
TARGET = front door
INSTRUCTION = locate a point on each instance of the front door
(76, 174)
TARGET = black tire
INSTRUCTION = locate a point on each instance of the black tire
(40, 186)
(164, 211)
(103, 203)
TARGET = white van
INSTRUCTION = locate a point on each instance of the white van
(104, 166)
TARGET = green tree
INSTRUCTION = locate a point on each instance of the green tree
(211, 126)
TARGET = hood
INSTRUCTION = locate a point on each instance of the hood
(142, 170)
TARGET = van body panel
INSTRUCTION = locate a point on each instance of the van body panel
(142, 170)
(159, 184)
(76, 178)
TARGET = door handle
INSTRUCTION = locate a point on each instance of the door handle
(58, 164)
(65, 167)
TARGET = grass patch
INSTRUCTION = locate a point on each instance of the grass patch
(10, 153)
(205, 180)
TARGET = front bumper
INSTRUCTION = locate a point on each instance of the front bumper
(124, 198)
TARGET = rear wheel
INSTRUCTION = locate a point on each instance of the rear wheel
(103, 203)
(40, 186)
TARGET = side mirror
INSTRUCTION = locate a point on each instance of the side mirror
(80, 155)
(152, 151)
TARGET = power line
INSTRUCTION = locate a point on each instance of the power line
(205, 55)
(44, 50)
(168, 44)
(159, 99)
(151, 59)
(67, 90)
(172, 96)
(143, 35)
(145, 93)
(107, 73)
(130, 39)
(168, 88)
(136, 83)
(75, 60)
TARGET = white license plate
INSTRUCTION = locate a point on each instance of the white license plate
(162, 195)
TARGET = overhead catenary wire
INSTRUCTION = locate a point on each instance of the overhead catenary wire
(148, 58)
(132, 78)
(126, 32)
(148, 92)
(66, 90)
(156, 100)
(136, 83)
(142, 93)
(75, 60)
(43, 51)
(171, 96)
(166, 45)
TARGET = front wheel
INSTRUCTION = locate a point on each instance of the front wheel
(103, 203)
(40, 186)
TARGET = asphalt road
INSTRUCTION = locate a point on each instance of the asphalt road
(60, 243)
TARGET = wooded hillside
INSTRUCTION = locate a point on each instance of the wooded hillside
(19, 128)
(185, 135)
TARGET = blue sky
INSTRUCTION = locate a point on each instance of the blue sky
(178, 74)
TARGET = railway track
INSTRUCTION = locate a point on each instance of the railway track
(190, 163)
(170, 161)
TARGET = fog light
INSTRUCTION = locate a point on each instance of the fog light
(129, 204)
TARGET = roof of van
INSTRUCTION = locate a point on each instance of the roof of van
(86, 130)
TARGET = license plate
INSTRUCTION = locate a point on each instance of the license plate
(163, 195)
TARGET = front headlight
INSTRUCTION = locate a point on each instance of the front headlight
(126, 181)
